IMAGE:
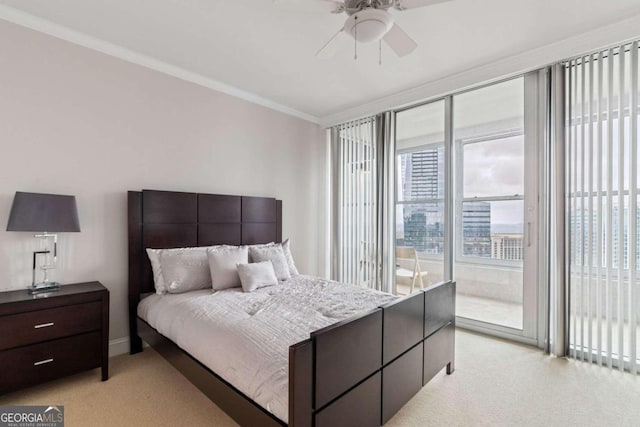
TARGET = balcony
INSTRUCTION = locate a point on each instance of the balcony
(486, 292)
(493, 294)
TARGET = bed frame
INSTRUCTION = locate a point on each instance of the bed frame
(360, 371)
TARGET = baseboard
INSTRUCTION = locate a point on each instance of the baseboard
(118, 346)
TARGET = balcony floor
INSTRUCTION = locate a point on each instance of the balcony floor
(511, 315)
(483, 309)
(489, 310)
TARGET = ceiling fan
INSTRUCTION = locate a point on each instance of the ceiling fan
(370, 21)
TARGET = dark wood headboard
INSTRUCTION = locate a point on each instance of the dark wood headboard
(169, 219)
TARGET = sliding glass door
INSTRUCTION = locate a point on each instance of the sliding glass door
(466, 202)
(496, 207)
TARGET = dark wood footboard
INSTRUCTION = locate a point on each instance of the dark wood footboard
(357, 372)
(363, 370)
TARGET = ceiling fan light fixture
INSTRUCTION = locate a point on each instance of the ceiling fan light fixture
(369, 25)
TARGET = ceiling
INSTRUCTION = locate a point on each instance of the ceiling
(267, 48)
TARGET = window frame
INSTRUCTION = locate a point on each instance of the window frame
(460, 200)
(397, 202)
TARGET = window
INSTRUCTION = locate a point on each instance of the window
(355, 162)
(489, 134)
(602, 132)
(420, 218)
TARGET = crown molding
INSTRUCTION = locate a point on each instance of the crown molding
(619, 32)
(625, 30)
(61, 32)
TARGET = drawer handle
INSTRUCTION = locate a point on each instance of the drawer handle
(43, 362)
(43, 325)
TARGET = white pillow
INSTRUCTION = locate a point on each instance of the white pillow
(158, 280)
(286, 248)
(180, 269)
(259, 245)
(223, 262)
(275, 254)
(185, 271)
(256, 275)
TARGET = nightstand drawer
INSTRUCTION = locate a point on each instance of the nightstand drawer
(46, 361)
(36, 326)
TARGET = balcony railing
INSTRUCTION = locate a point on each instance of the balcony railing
(486, 292)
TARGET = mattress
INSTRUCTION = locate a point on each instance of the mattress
(245, 337)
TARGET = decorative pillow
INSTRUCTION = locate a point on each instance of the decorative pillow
(223, 262)
(256, 275)
(259, 245)
(286, 249)
(187, 267)
(275, 254)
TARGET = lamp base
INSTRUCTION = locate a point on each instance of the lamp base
(38, 288)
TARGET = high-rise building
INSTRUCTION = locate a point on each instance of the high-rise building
(476, 229)
(422, 178)
(423, 173)
(424, 230)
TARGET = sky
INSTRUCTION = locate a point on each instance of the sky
(496, 168)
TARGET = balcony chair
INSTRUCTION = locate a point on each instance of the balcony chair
(405, 276)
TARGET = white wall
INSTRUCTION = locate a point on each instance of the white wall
(74, 121)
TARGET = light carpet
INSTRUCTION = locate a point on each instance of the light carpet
(496, 383)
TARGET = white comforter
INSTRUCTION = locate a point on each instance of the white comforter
(245, 337)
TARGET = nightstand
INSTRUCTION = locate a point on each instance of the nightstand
(48, 336)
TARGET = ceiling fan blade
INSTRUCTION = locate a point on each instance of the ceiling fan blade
(399, 41)
(412, 4)
(333, 6)
(335, 44)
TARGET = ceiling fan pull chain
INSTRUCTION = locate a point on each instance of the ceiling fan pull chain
(380, 52)
(355, 39)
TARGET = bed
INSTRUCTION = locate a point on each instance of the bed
(336, 364)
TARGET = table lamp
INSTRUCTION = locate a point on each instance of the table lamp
(44, 214)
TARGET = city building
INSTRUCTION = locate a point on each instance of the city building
(476, 229)
(580, 244)
(507, 247)
(422, 180)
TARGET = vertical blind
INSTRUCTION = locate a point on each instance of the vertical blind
(601, 140)
(355, 245)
